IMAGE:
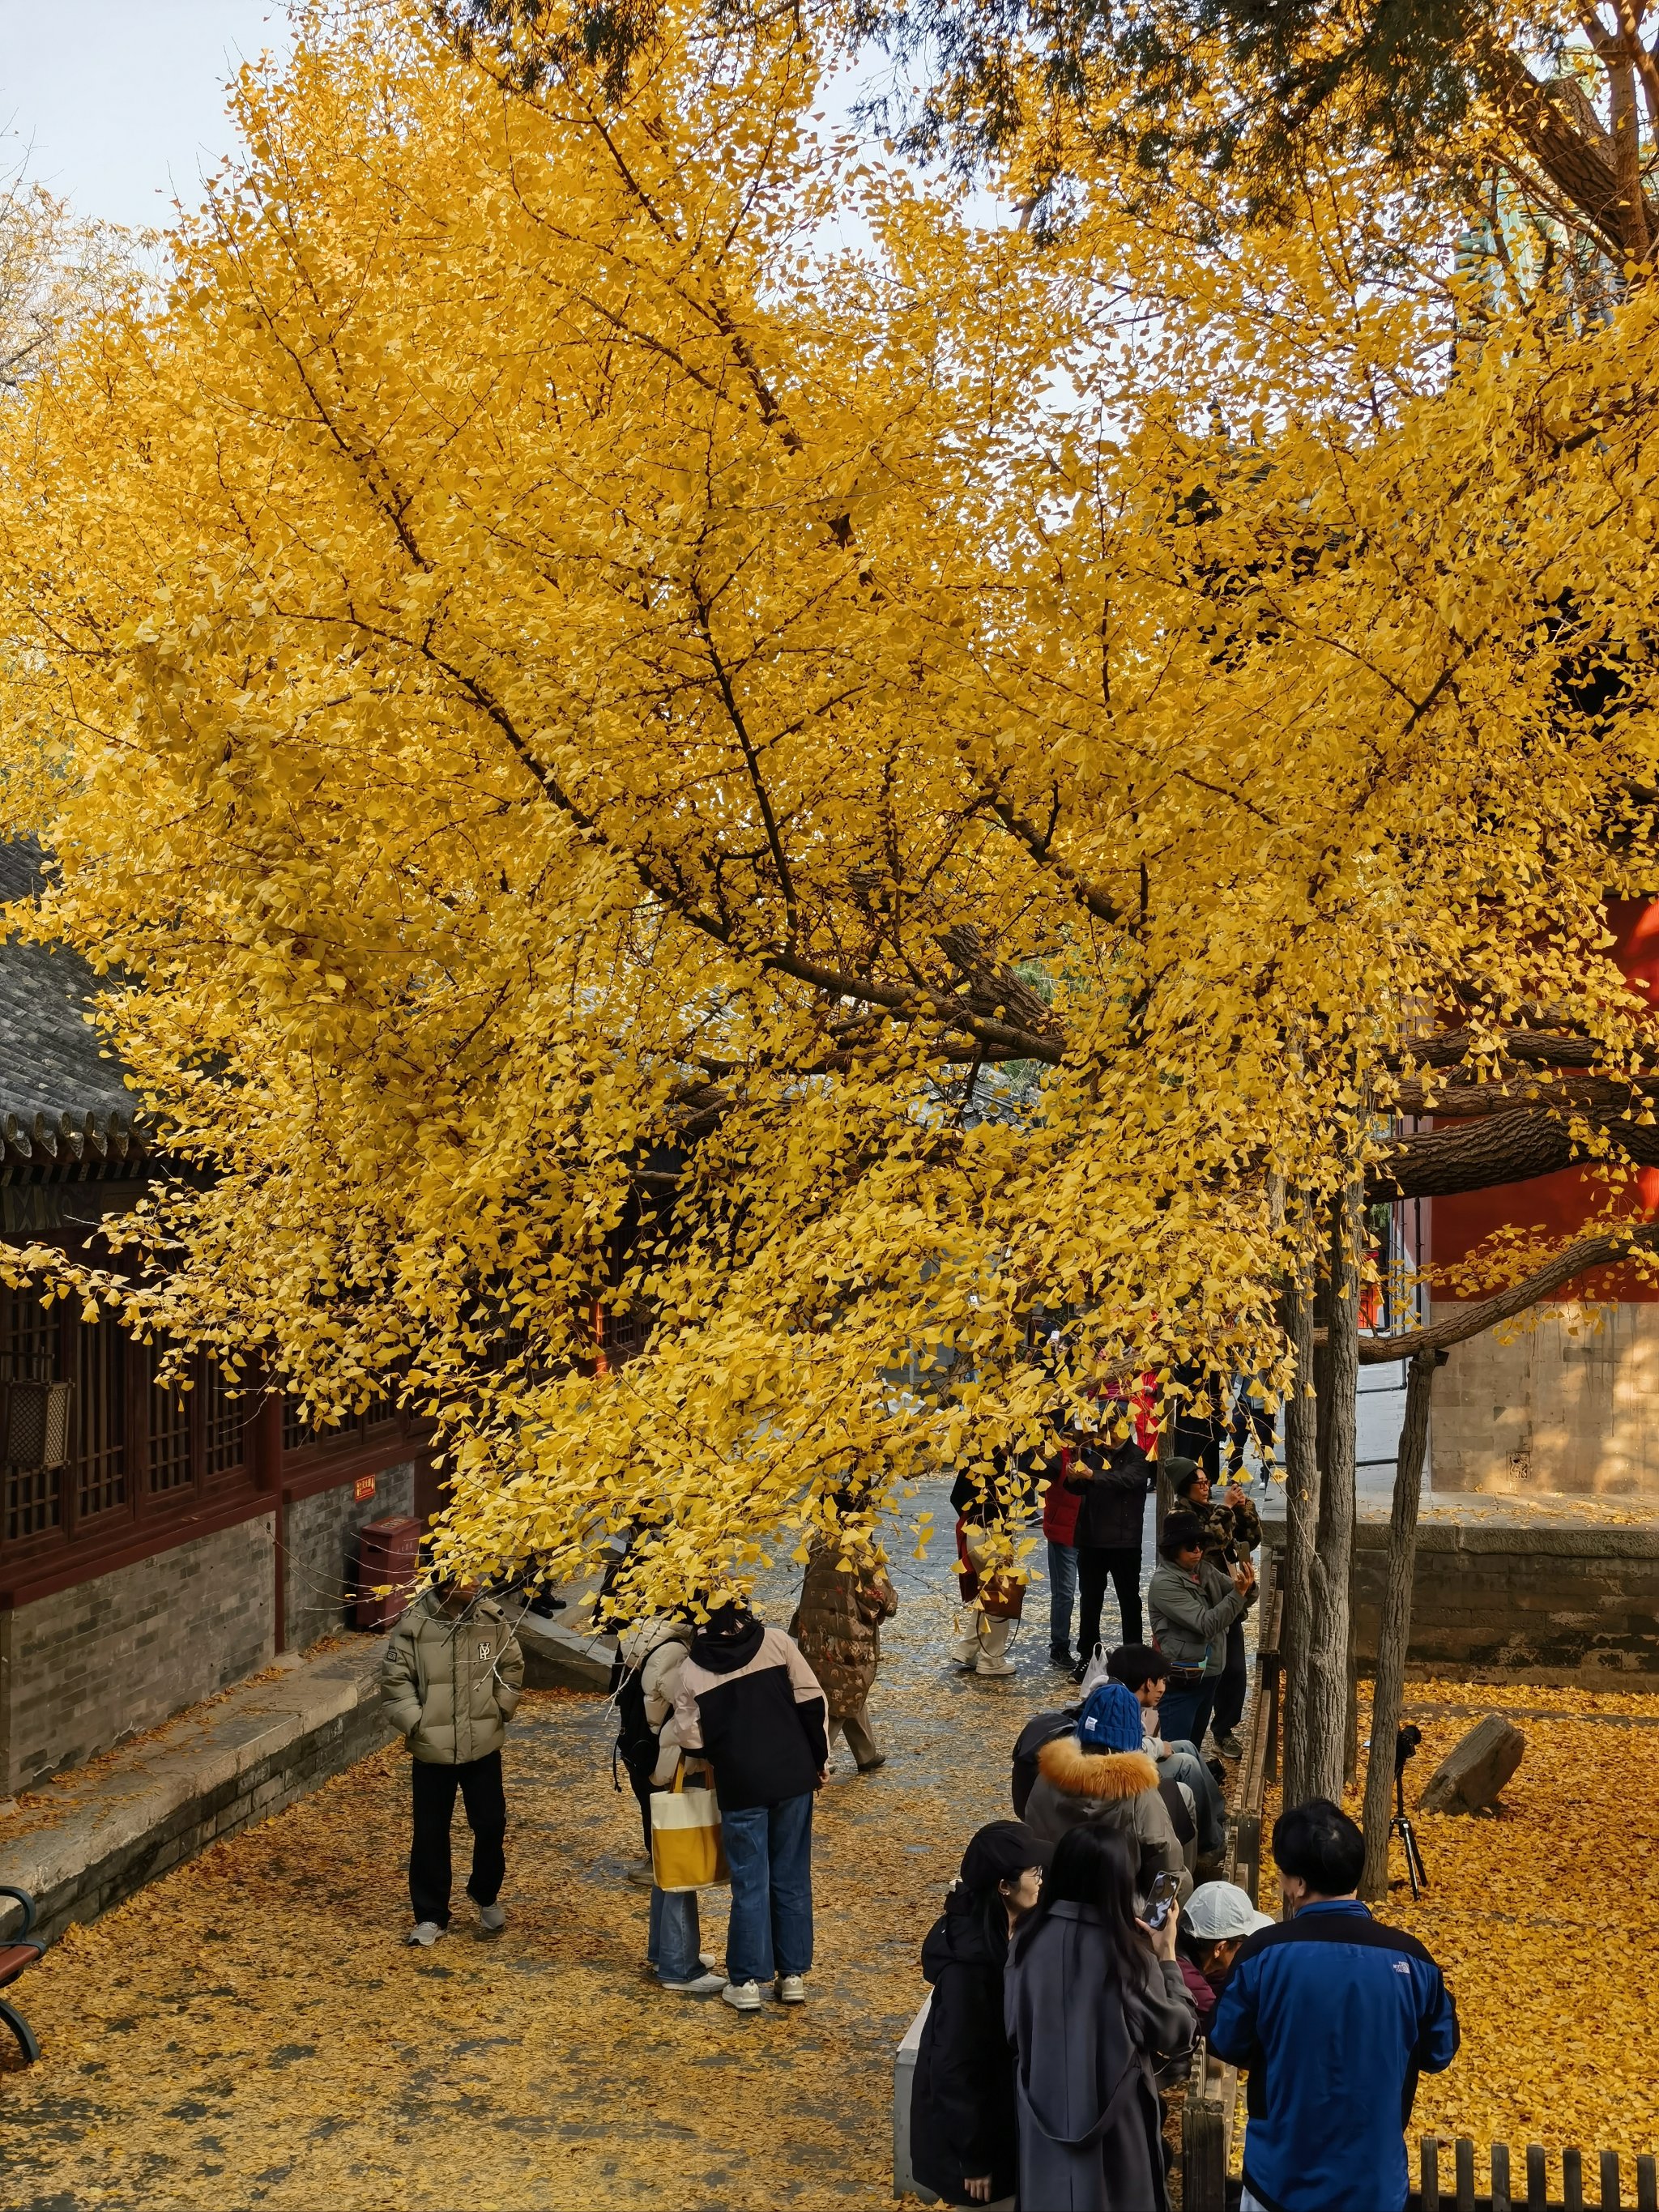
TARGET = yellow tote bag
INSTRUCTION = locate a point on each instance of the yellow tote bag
(686, 1849)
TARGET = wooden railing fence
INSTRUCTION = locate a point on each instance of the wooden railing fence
(1207, 2142)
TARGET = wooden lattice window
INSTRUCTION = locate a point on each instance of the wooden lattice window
(299, 1435)
(100, 1455)
(28, 1352)
(224, 1420)
(172, 1458)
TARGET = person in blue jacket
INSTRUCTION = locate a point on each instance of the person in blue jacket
(1335, 2016)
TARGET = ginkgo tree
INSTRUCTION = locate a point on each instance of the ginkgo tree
(592, 724)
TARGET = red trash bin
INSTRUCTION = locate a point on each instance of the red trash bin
(388, 1566)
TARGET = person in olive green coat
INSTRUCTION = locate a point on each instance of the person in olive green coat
(449, 1683)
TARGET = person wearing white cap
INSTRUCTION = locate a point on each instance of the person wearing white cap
(1218, 1917)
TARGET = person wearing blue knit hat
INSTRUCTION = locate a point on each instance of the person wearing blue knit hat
(1110, 1719)
(1099, 1772)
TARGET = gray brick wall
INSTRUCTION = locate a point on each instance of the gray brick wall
(82, 1669)
(321, 1532)
(1536, 1599)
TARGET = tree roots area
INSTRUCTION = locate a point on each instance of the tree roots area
(251, 2030)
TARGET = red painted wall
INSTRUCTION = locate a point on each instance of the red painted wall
(1560, 1204)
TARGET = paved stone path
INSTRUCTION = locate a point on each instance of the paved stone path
(251, 2031)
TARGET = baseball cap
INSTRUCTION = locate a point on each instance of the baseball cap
(1217, 1911)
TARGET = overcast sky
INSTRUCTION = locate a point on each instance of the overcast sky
(118, 105)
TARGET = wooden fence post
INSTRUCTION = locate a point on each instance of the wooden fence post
(1203, 2144)
(1463, 2153)
(1500, 2178)
(1428, 2156)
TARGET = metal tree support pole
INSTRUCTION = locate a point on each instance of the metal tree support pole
(1394, 1628)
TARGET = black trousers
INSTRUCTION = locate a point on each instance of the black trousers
(1229, 1709)
(479, 1780)
(1095, 1564)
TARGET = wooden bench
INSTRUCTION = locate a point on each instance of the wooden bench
(16, 1958)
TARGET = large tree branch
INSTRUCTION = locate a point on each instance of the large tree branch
(1598, 1098)
(1577, 168)
(1605, 1249)
(1512, 1148)
(1528, 1048)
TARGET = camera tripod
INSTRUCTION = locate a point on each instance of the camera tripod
(1401, 1825)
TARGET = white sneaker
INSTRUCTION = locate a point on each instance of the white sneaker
(491, 1919)
(424, 1932)
(742, 1996)
(701, 1985)
(705, 1959)
(987, 1665)
(792, 1989)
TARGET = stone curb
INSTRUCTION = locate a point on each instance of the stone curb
(557, 1658)
(247, 1755)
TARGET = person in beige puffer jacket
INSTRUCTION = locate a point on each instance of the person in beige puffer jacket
(449, 1683)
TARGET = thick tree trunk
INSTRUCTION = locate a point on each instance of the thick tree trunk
(1322, 1706)
(1394, 1631)
(1301, 1524)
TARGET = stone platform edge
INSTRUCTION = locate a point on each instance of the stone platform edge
(211, 1773)
(1489, 1528)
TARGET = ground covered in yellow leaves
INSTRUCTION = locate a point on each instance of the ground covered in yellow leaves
(249, 2031)
(1544, 1921)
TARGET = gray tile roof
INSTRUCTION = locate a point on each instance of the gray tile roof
(53, 1078)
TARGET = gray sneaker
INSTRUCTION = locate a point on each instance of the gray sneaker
(491, 1919)
(792, 1989)
(700, 1985)
(425, 1933)
(742, 1996)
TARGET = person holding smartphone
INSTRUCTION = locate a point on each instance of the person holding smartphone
(1094, 1997)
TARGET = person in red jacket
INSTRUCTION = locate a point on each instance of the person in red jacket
(1059, 1512)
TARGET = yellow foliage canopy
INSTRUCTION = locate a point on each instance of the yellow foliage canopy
(612, 745)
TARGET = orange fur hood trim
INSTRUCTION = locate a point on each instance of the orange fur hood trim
(1064, 1762)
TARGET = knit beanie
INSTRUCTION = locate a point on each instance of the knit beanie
(1111, 1719)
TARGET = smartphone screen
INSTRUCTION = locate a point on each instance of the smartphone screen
(1163, 1897)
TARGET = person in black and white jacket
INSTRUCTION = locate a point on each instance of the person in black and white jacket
(748, 1700)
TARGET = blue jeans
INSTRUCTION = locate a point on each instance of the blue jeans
(673, 1944)
(1184, 1764)
(1062, 1595)
(1184, 1714)
(768, 1849)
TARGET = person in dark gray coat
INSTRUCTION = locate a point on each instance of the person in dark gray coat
(1091, 1995)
